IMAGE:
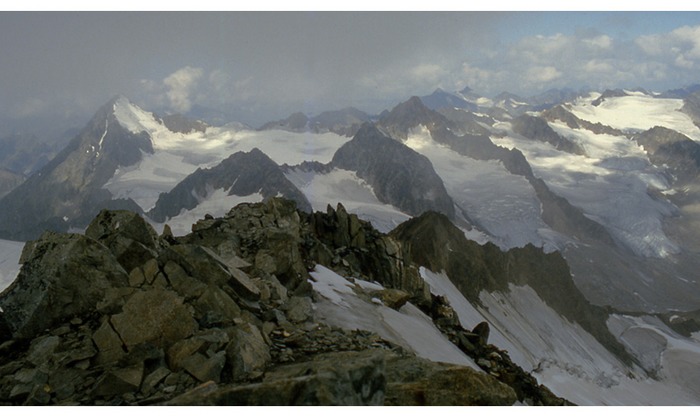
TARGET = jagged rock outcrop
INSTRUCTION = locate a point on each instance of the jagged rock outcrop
(536, 128)
(218, 317)
(344, 122)
(181, 124)
(398, 175)
(242, 173)
(691, 106)
(574, 122)
(608, 94)
(432, 241)
(66, 275)
(673, 150)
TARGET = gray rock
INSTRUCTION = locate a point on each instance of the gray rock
(181, 282)
(181, 350)
(119, 381)
(416, 381)
(41, 349)
(215, 303)
(247, 354)
(63, 276)
(344, 378)
(156, 316)
(205, 265)
(108, 343)
(151, 381)
(298, 309)
(203, 368)
(132, 240)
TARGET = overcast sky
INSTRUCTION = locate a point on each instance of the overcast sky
(274, 63)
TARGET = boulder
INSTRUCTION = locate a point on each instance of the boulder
(205, 265)
(63, 276)
(119, 381)
(298, 309)
(214, 306)
(132, 240)
(247, 354)
(392, 298)
(416, 381)
(157, 316)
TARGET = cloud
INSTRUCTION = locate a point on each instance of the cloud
(588, 59)
(180, 86)
(539, 75)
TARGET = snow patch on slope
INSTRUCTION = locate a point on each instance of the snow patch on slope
(610, 185)
(354, 193)
(217, 203)
(168, 165)
(566, 358)
(408, 327)
(503, 204)
(10, 252)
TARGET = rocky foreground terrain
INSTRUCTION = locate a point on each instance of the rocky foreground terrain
(225, 316)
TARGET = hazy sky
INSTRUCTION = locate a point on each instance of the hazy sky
(266, 65)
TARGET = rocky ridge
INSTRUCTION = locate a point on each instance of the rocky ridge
(225, 316)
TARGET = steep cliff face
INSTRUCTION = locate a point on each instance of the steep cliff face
(67, 192)
(536, 128)
(398, 175)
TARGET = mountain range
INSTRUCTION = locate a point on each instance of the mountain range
(568, 222)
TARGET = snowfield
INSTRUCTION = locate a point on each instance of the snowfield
(408, 327)
(637, 112)
(178, 155)
(10, 252)
(501, 204)
(342, 186)
(610, 185)
(571, 362)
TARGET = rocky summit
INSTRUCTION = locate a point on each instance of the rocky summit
(225, 316)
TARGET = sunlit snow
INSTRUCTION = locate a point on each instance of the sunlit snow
(503, 204)
(178, 155)
(636, 113)
(610, 184)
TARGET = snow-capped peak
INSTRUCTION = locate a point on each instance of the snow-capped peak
(135, 119)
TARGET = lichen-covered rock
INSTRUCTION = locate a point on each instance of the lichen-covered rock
(415, 381)
(156, 316)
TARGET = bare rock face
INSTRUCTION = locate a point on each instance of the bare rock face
(132, 240)
(64, 275)
(399, 175)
